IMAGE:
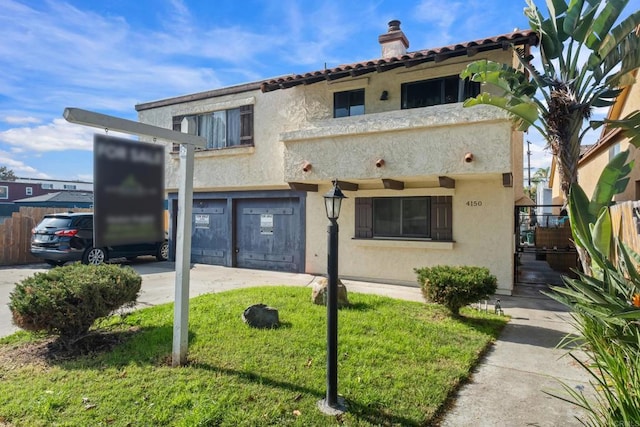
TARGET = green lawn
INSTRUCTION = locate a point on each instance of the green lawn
(398, 363)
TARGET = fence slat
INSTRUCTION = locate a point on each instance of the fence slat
(15, 234)
(624, 219)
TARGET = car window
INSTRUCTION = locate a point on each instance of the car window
(85, 222)
(56, 222)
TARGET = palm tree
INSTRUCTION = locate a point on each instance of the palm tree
(585, 60)
(542, 174)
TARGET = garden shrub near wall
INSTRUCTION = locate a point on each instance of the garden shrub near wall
(67, 300)
(456, 286)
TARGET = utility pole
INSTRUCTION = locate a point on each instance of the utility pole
(529, 163)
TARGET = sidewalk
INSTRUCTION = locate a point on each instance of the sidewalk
(507, 388)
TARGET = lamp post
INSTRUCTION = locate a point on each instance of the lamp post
(331, 405)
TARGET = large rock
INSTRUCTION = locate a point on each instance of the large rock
(261, 316)
(319, 292)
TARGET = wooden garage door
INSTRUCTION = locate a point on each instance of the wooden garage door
(210, 240)
(269, 234)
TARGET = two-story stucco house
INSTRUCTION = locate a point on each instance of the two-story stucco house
(428, 182)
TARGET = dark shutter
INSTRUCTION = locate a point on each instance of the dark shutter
(441, 218)
(364, 217)
(177, 126)
(246, 124)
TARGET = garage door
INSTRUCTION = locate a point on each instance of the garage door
(268, 234)
(210, 241)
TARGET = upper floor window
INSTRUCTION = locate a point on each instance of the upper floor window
(348, 103)
(4, 192)
(222, 129)
(47, 186)
(69, 186)
(444, 90)
(426, 217)
(29, 191)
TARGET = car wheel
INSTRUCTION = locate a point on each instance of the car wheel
(54, 263)
(94, 256)
(163, 252)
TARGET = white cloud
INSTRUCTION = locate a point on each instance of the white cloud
(19, 168)
(441, 15)
(20, 120)
(59, 135)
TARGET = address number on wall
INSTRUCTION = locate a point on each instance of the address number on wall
(474, 203)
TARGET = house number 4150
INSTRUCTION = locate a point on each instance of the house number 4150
(474, 203)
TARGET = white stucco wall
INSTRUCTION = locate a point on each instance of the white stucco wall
(483, 236)
(233, 168)
(295, 125)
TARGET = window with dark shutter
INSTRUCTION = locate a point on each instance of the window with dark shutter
(404, 217)
(221, 129)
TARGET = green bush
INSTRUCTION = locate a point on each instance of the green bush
(454, 287)
(67, 300)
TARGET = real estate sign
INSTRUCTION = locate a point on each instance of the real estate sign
(128, 179)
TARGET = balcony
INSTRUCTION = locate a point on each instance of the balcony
(415, 145)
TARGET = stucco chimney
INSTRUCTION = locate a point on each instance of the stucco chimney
(393, 42)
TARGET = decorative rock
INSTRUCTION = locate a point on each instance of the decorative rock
(319, 290)
(261, 316)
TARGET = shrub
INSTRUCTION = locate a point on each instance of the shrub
(455, 287)
(67, 300)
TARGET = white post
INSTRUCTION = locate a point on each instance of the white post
(183, 254)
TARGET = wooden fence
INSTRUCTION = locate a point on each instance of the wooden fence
(15, 234)
(625, 218)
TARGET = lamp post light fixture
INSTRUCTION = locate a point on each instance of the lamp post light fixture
(332, 405)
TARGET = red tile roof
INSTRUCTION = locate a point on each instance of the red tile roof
(410, 59)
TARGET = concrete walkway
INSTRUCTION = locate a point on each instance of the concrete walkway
(507, 387)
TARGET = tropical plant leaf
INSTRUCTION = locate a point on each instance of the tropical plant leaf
(579, 217)
(602, 233)
(524, 113)
(620, 32)
(604, 21)
(612, 181)
(630, 126)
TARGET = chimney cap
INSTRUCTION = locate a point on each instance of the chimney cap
(394, 25)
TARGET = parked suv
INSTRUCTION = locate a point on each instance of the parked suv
(60, 238)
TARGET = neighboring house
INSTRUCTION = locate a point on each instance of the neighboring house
(60, 199)
(611, 142)
(428, 182)
(594, 158)
(22, 188)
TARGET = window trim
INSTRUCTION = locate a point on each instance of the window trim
(28, 191)
(4, 192)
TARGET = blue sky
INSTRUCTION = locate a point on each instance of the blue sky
(109, 55)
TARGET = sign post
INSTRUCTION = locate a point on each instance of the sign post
(185, 206)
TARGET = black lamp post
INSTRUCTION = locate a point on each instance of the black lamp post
(331, 405)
